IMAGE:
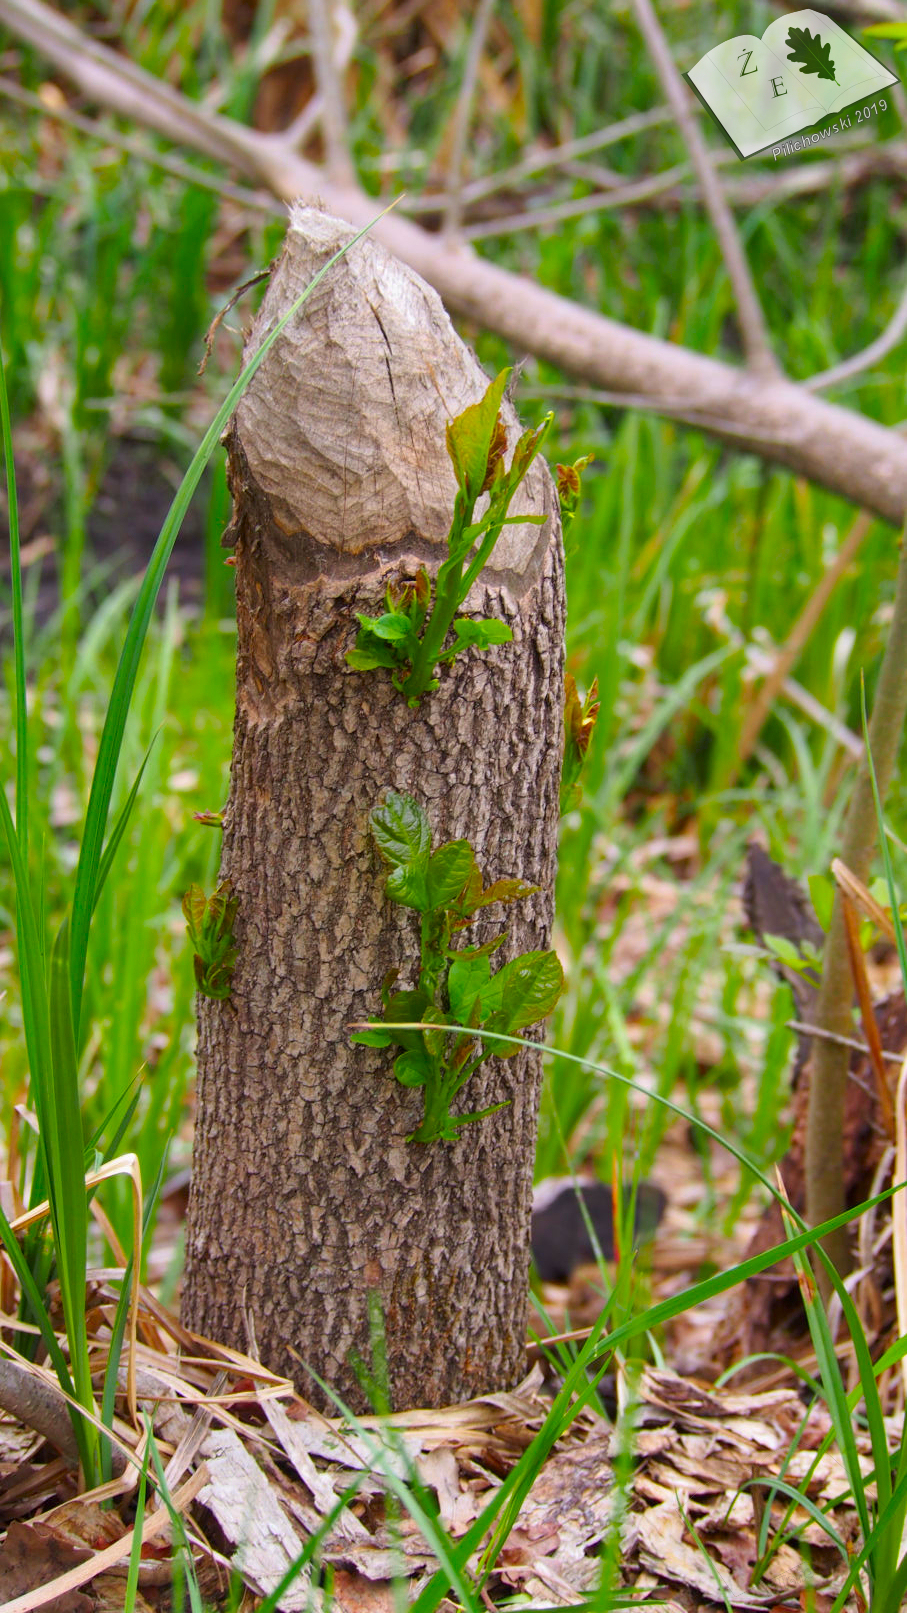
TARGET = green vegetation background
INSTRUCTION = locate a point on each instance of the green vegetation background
(111, 272)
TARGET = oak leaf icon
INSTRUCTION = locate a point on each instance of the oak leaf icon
(808, 51)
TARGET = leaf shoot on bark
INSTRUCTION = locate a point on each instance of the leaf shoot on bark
(209, 921)
(455, 985)
(409, 638)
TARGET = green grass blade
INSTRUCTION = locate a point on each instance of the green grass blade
(118, 1329)
(835, 1393)
(68, 1198)
(35, 1013)
(180, 1538)
(120, 827)
(886, 853)
(890, 1598)
(15, 552)
(382, 1461)
(135, 1556)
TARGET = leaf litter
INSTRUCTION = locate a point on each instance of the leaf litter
(254, 1471)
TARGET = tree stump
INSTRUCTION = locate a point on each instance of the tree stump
(305, 1195)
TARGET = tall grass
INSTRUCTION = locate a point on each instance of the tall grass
(53, 978)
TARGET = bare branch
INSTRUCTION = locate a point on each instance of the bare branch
(753, 328)
(804, 1029)
(762, 662)
(891, 337)
(297, 133)
(453, 211)
(843, 450)
(864, 159)
(30, 1397)
(787, 656)
(539, 162)
(261, 201)
(538, 218)
(330, 89)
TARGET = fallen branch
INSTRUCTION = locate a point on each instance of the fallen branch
(37, 1403)
(851, 455)
(756, 340)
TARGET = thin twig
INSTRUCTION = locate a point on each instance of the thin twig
(453, 210)
(762, 662)
(698, 419)
(861, 159)
(536, 218)
(864, 998)
(891, 337)
(166, 161)
(297, 133)
(798, 637)
(754, 330)
(539, 162)
(330, 89)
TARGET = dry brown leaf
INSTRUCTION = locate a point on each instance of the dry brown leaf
(32, 1555)
(664, 1550)
(353, 1593)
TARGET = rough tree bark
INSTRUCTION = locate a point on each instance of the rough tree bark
(305, 1195)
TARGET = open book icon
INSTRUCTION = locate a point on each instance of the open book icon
(803, 68)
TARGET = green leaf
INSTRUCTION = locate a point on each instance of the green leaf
(466, 980)
(222, 908)
(457, 1121)
(530, 987)
(408, 888)
(506, 890)
(214, 978)
(784, 950)
(448, 871)
(434, 1039)
(471, 894)
(407, 1005)
(471, 438)
(524, 453)
(480, 634)
(401, 830)
(375, 1038)
(808, 51)
(371, 652)
(569, 485)
(413, 1069)
(411, 598)
(391, 626)
(195, 906)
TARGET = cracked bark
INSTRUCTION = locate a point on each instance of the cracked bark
(305, 1195)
